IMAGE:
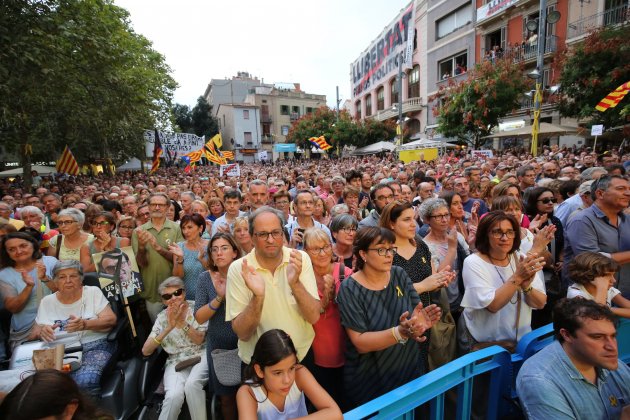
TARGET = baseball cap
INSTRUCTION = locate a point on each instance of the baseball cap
(585, 187)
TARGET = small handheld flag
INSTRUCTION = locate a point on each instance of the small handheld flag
(67, 163)
(228, 154)
(613, 98)
(320, 143)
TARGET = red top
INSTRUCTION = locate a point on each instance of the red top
(329, 342)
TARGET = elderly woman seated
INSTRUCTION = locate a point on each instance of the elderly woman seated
(79, 309)
(179, 334)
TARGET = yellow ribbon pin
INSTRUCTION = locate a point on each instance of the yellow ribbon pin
(424, 260)
(399, 292)
(613, 401)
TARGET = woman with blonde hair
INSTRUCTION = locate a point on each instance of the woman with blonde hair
(242, 235)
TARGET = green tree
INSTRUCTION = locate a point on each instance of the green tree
(592, 70)
(74, 72)
(338, 132)
(470, 109)
(183, 118)
(203, 123)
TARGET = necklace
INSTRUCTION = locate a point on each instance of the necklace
(501, 276)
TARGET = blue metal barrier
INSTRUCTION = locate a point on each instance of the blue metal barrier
(623, 341)
(432, 387)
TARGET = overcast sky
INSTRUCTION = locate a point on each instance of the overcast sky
(309, 42)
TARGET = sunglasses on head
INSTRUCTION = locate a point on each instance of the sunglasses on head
(168, 296)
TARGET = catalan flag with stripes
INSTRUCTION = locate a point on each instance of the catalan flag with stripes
(320, 142)
(216, 159)
(613, 98)
(193, 157)
(228, 154)
(67, 163)
(157, 152)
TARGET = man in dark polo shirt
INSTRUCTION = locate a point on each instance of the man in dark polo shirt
(603, 227)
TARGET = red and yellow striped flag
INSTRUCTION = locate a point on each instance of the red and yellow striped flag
(194, 156)
(613, 98)
(67, 163)
(320, 142)
(228, 154)
(215, 159)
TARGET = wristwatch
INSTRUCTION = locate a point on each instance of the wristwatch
(186, 328)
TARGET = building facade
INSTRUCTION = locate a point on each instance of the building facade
(240, 129)
(376, 89)
(449, 37)
(450, 49)
(230, 91)
(280, 106)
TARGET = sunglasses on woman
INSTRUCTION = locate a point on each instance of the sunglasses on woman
(168, 296)
(548, 200)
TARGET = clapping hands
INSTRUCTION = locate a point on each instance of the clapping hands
(421, 320)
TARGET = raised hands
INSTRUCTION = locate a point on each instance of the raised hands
(219, 281)
(526, 269)
(537, 222)
(253, 279)
(27, 278)
(41, 269)
(543, 237)
(421, 320)
(295, 267)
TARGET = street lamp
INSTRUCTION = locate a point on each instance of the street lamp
(539, 24)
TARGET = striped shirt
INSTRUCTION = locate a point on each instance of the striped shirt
(369, 375)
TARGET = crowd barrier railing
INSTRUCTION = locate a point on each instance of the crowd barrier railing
(433, 386)
(460, 373)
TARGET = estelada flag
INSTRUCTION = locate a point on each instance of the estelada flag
(217, 140)
(320, 142)
(67, 163)
(193, 157)
(613, 98)
(157, 152)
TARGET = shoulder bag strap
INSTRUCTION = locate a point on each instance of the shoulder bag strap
(59, 240)
(342, 270)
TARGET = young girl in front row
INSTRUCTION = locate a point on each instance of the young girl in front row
(275, 384)
(593, 276)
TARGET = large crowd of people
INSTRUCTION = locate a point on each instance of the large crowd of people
(325, 281)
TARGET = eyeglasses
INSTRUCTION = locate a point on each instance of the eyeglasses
(385, 251)
(282, 202)
(101, 224)
(318, 251)
(498, 234)
(125, 227)
(348, 230)
(548, 200)
(65, 222)
(144, 214)
(445, 216)
(168, 296)
(216, 249)
(265, 235)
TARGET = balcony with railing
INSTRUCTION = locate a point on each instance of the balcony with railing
(410, 105)
(609, 17)
(522, 53)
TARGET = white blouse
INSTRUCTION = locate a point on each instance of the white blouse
(481, 280)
